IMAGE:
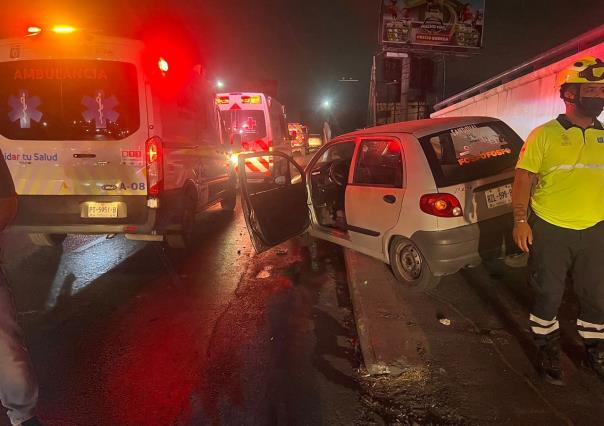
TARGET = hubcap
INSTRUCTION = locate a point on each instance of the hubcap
(410, 261)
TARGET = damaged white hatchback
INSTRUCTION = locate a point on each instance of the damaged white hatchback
(427, 197)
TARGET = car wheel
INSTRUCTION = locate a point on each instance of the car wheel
(47, 240)
(184, 238)
(229, 201)
(410, 267)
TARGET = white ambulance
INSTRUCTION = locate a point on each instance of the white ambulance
(253, 122)
(100, 139)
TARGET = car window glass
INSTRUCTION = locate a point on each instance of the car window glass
(250, 125)
(379, 163)
(68, 99)
(340, 151)
(267, 172)
(467, 153)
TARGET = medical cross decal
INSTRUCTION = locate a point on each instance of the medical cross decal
(250, 124)
(24, 109)
(100, 109)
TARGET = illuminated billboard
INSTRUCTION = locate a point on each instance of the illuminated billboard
(444, 23)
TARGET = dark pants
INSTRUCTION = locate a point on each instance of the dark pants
(555, 254)
(18, 385)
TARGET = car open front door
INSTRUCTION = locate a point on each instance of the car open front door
(273, 197)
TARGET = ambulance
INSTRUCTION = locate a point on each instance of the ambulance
(253, 122)
(104, 135)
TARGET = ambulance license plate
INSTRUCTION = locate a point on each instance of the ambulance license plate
(499, 196)
(102, 210)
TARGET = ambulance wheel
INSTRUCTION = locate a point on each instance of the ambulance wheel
(47, 240)
(229, 201)
(409, 266)
(184, 238)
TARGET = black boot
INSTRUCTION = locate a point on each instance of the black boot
(595, 359)
(548, 363)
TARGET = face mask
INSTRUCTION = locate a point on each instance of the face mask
(592, 107)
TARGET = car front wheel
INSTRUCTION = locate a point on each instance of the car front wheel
(410, 267)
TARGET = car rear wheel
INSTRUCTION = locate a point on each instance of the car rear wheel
(410, 267)
(47, 240)
(184, 238)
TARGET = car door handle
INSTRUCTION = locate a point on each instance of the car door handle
(390, 199)
(84, 155)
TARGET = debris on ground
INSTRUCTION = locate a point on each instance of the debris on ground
(282, 251)
(445, 321)
(265, 273)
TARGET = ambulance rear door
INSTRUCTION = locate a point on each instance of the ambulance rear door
(76, 127)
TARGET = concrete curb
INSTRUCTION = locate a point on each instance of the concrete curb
(389, 341)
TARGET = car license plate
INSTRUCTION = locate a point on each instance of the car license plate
(499, 196)
(102, 209)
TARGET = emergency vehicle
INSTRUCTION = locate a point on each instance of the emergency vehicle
(102, 138)
(299, 137)
(253, 122)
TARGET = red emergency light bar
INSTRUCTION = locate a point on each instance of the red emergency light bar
(34, 30)
(57, 29)
(163, 65)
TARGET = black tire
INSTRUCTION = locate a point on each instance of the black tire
(47, 240)
(229, 202)
(184, 238)
(409, 266)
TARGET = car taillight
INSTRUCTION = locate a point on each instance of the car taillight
(442, 205)
(154, 157)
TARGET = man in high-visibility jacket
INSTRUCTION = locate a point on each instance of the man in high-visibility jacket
(18, 385)
(565, 231)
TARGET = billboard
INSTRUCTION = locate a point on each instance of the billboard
(444, 23)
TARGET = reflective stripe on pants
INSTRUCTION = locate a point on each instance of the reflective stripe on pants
(555, 253)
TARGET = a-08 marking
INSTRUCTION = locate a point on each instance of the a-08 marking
(134, 186)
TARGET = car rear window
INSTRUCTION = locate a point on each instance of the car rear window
(467, 153)
(250, 124)
(68, 100)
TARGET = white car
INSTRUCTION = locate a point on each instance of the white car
(427, 197)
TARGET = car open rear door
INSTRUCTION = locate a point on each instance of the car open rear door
(275, 203)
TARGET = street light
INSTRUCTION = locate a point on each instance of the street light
(326, 104)
(219, 84)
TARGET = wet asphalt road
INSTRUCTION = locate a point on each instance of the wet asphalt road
(127, 333)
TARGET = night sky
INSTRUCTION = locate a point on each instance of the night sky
(307, 45)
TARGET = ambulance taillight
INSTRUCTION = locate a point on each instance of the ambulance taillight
(154, 157)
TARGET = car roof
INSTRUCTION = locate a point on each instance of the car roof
(420, 128)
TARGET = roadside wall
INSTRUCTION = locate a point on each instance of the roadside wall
(523, 103)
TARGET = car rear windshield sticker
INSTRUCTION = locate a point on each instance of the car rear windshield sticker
(100, 109)
(60, 73)
(473, 143)
(24, 109)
